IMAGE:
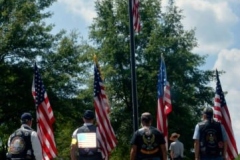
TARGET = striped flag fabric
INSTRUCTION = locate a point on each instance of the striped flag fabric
(136, 16)
(105, 133)
(164, 106)
(45, 117)
(222, 115)
(85, 140)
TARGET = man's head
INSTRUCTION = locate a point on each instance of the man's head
(146, 119)
(88, 115)
(26, 118)
(208, 113)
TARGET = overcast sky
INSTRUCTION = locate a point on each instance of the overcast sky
(217, 25)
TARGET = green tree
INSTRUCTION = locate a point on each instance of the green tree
(161, 33)
(23, 36)
(63, 61)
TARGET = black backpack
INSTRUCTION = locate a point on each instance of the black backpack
(211, 139)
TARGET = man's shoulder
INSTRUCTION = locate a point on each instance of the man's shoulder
(157, 131)
(201, 123)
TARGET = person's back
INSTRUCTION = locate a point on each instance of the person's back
(147, 142)
(20, 144)
(211, 141)
(176, 147)
(84, 145)
(24, 143)
(91, 152)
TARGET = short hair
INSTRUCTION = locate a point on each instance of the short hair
(146, 117)
(208, 111)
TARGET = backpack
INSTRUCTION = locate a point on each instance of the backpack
(211, 141)
(83, 134)
(20, 145)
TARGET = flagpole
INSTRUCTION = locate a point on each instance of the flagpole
(133, 72)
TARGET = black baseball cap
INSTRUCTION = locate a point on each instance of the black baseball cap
(88, 114)
(26, 117)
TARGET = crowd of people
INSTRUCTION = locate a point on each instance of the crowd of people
(147, 143)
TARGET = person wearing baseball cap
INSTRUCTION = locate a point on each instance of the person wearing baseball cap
(87, 150)
(24, 142)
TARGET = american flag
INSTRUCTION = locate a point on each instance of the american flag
(136, 16)
(45, 117)
(164, 100)
(222, 115)
(105, 133)
(86, 140)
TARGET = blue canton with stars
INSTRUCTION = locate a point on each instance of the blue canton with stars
(162, 79)
(39, 87)
(220, 92)
(97, 80)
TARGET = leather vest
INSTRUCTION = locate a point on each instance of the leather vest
(89, 153)
(211, 140)
(20, 145)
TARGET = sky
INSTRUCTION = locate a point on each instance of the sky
(216, 23)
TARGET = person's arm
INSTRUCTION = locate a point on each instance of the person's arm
(164, 151)
(73, 151)
(36, 146)
(133, 152)
(73, 146)
(171, 151)
(196, 149)
(182, 154)
(171, 154)
(196, 137)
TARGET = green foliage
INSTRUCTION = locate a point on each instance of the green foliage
(161, 33)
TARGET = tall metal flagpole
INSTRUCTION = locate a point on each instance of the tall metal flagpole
(133, 72)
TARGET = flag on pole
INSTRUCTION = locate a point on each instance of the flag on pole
(45, 117)
(105, 132)
(222, 115)
(136, 16)
(164, 106)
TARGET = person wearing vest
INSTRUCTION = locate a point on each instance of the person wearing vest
(148, 142)
(24, 143)
(176, 147)
(210, 138)
(84, 145)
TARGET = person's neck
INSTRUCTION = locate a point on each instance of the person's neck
(88, 124)
(146, 126)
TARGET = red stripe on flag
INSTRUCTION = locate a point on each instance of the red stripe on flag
(167, 99)
(162, 123)
(136, 16)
